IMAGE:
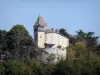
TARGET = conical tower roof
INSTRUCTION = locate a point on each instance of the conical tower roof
(40, 21)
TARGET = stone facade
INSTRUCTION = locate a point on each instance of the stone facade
(49, 40)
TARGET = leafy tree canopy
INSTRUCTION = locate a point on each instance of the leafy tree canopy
(17, 36)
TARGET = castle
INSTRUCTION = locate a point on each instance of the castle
(50, 41)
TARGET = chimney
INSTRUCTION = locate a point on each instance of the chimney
(57, 31)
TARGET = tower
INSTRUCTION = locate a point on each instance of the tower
(39, 32)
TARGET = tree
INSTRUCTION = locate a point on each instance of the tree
(63, 32)
(3, 39)
(19, 41)
(15, 67)
(3, 45)
(2, 69)
(89, 37)
(76, 50)
(38, 68)
(17, 36)
(83, 63)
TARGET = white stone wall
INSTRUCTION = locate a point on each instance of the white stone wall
(49, 38)
(54, 38)
(41, 39)
(59, 53)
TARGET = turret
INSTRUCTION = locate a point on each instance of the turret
(39, 31)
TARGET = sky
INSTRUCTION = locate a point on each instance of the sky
(72, 15)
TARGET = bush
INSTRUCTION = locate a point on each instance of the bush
(37, 68)
(88, 64)
(14, 67)
(2, 69)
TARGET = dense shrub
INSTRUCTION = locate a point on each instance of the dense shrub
(83, 65)
(2, 69)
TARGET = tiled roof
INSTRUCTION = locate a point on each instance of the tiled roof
(40, 21)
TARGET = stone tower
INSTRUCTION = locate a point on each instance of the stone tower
(39, 31)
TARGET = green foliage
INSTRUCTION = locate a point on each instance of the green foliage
(2, 69)
(37, 68)
(14, 67)
(18, 67)
(62, 31)
(84, 65)
(91, 40)
(18, 53)
(3, 40)
(76, 50)
(19, 42)
(18, 36)
(84, 62)
(59, 46)
(51, 58)
(49, 68)
(3, 37)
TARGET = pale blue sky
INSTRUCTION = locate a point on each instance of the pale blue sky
(69, 14)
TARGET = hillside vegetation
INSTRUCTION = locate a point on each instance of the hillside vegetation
(18, 54)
